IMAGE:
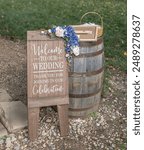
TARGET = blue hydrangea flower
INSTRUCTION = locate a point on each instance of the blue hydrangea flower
(70, 37)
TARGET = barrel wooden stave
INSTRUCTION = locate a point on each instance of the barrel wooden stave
(82, 113)
(83, 103)
(87, 64)
(86, 78)
(92, 49)
(85, 84)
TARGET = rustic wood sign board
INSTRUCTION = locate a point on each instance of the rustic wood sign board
(47, 78)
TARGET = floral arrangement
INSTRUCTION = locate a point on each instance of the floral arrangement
(70, 37)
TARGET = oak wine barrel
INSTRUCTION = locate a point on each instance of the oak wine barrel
(86, 79)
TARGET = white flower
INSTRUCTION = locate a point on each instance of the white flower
(76, 50)
(49, 31)
(67, 55)
(59, 32)
(78, 36)
(42, 32)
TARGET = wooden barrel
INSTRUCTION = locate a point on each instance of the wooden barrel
(86, 79)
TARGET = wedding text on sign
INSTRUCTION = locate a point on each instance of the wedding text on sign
(47, 69)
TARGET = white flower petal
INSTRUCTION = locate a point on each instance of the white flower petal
(76, 50)
(49, 31)
(67, 55)
(59, 32)
(42, 32)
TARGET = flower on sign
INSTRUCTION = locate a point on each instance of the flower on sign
(76, 50)
(59, 32)
(70, 37)
(49, 31)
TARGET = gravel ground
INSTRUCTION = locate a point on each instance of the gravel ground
(103, 130)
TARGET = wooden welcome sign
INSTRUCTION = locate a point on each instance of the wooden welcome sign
(47, 78)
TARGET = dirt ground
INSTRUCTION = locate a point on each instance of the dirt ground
(104, 130)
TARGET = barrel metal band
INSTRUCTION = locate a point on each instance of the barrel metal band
(86, 73)
(81, 109)
(84, 95)
(90, 54)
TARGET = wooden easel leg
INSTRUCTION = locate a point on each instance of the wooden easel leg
(33, 121)
(63, 119)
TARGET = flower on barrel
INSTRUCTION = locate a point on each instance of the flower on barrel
(70, 37)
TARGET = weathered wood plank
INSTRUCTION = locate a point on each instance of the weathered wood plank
(63, 119)
(86, 78)
(90, 32)
(83, 113)
(79, 64)
(80, 103)
(89, 83)
(33, 122)
(47, 78)
(47, 102)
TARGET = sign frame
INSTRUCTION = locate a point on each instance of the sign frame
(38, 47)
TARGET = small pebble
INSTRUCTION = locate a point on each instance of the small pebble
(8, 143)
(49, 120)
(1, 141)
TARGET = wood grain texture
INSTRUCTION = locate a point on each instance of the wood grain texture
(47, 101)
(47, 75)
(86, 79)
(85, 84)
(33, 122)
(82, 103)
(83, 113)
(88, 33)
(63, 115)
(46, 69)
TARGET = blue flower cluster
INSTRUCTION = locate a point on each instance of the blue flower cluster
(69, 36)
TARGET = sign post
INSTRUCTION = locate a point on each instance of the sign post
(47, 78)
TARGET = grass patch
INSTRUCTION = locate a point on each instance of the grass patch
(106, 85)
(93, 115)
(18, 16)
(123, 147)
